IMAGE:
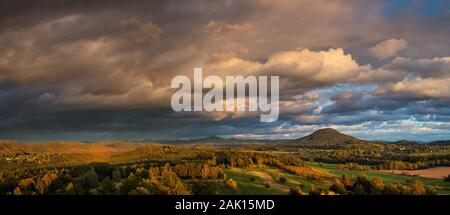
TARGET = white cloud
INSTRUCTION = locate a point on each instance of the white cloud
(388, 48)
(299, 70)
(421, 88)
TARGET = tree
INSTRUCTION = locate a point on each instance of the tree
(17, 191)
(116, 175)
(282, 179)
(377, 186)
(153, 172)
(447, 178)
(69, 188)
(362, 185)
(8, 184)
(59, 184)
(338, 187)
(203, 187)
(431, 191)
(90, 180)
(358, 189)
(313, 190)
(390, 189)
(180, 189)
(347, 182)
(107, 186)
(417, 188)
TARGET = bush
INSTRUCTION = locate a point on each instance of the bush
(417, 188)
(296, 191)
(203, 187)
(232, 184)
(447, 178)
(139, 191)
(338, 187)
(431, 191)
(129, 184)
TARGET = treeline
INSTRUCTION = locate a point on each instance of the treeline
(355, 166)
(249, 159)
(402, 165)
(361, 185)
(386, 156)
(187, 177)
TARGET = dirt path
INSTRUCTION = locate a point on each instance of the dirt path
(436, 172)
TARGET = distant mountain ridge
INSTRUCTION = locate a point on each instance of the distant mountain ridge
(219, 140)
(321, 137)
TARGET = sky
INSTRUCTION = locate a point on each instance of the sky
(101, 70)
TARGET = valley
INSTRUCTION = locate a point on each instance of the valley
(326, 162)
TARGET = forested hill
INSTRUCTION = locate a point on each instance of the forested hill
(327, 137)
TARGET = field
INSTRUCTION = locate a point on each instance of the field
(441, 186)
(436, 172)
(264, 175)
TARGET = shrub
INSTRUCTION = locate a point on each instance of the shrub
(296, 191)
(139, 191)
(447, 178)
(431, 191)
(338, 187)
(232, 184)
(417, 188)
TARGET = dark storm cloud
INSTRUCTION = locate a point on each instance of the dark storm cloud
(102, 69)
(23, 14)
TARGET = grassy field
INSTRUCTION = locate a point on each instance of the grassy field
(295, 180)
(257, 187)
(246, 186)
(334, 170)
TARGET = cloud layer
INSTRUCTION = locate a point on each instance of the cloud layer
(102, 70)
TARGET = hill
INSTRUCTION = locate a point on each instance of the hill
(440, 143)
(67, 147)
(327, 137)
(12, 146)
(147, 151)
